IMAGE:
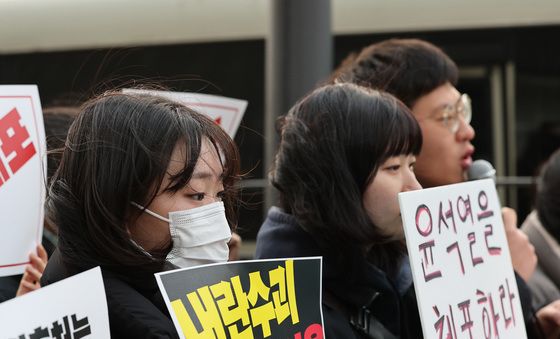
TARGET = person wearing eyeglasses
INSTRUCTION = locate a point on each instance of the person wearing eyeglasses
(424, 78)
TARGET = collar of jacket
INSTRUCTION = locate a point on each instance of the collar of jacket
(348, 277)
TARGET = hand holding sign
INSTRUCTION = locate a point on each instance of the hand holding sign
(33, 272)
(523, 257)
(549, 320)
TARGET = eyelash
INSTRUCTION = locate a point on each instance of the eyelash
(201, 196)
(397, 167)
(197, 196)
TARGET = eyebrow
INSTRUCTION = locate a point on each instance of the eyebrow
(440, 107)
(205, 175)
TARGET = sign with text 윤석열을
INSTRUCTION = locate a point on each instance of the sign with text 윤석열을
(461, 264)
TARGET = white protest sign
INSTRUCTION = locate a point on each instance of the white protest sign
(464, 281)
(226, 112)
(22, 176)
(75, 307)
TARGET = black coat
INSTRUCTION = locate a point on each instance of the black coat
(134, 311)
(9, 286)
(351, 286)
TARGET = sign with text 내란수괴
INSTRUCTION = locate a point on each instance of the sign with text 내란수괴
(278, 298)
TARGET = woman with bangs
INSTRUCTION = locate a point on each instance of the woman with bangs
(134, 171)
(345, 154)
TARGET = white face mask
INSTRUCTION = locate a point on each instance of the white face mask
(200, 235)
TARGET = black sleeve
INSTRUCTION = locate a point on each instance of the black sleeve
(525, 298)
(337, 326)
(9, 286)
(131, 315)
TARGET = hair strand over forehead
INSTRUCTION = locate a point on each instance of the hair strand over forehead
(117, 151)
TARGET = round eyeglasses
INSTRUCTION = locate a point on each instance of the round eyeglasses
(451, 115)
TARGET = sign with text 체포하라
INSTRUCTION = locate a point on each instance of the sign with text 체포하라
(460, 260)
(226, 112)
(75, 307)
(278, 298)
(22, 176)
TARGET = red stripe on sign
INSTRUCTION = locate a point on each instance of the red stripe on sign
(227, 108)
(12, 265)
(4, 176)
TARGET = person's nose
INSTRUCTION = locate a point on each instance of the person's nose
(465, 132)
(412, 183)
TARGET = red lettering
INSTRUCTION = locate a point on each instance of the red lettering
(12, 136)
(427, 229)
(428, 260)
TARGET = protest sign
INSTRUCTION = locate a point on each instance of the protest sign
(72, 308)
(278, 298)
(461, 265)
(226, 112)
(22, 176)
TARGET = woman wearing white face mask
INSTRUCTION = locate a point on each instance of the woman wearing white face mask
(142, 181)
(196, 214)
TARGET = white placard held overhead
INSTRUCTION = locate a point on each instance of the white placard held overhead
(75, 307)
(226, 112)
(22, 176)
(460, 260)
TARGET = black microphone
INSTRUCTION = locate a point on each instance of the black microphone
(481, 169)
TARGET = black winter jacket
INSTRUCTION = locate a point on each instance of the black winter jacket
(134, 311)
(352, 287)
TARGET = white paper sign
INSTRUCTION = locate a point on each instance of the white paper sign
(226, 112)
(22, 176)
(464, 281)
(75, 307)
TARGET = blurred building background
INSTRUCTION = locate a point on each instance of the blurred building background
(507, 52)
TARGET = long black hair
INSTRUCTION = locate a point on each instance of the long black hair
(117, 151)
(332, 143)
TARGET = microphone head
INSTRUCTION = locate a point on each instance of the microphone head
(481, 169)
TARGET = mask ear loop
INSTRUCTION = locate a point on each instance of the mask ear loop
(141, 248)
(153, 214)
